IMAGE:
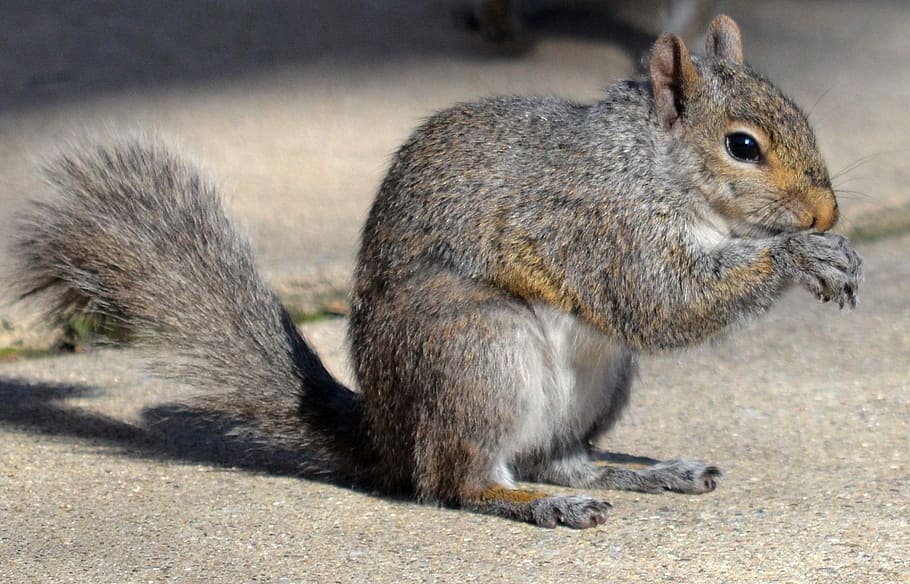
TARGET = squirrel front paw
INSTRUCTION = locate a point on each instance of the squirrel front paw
(827, 266)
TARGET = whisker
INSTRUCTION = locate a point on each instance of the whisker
(856, 164)
(851, 179)
(817, 101)
(764, 215)
(851, 193)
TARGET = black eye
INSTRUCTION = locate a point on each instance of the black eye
(743, 147)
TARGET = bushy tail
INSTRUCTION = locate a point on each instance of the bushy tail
(137, 235)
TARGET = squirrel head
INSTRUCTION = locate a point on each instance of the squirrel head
(755, 154)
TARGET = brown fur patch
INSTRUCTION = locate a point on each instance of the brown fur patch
(498, 493)
(524, 274)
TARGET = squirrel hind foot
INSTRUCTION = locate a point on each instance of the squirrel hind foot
(679, 476)
(576, 511)
(685, 476)
(542, 509)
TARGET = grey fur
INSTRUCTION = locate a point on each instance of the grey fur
(519, 255)
(139, 236)
(638, 228)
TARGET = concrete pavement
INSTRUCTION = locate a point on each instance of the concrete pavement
(808, 414)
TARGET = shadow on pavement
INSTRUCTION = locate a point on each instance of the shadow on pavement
(166, 432)
(175, 431)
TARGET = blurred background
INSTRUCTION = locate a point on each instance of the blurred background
(296, 107)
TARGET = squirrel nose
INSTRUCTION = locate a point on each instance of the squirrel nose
(824, 213)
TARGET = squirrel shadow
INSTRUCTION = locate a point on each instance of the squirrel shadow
(170, 431)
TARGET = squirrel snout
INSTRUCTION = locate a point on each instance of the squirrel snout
(822, 212)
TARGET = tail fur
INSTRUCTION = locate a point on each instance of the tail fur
(138, 235)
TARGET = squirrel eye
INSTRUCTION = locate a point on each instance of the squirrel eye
(743, 147)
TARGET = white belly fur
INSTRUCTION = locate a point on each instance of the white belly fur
(570, 373)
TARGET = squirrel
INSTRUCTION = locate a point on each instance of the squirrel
(519, 255)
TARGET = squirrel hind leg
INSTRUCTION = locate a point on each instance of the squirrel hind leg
(580, 470)
(576, 511)
(454, 473)
(466, 406)
(680, 476)
(461, 485)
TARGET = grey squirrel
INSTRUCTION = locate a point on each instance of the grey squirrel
(519, 254)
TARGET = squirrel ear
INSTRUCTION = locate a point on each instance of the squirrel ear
(724, 40)
(672, 73)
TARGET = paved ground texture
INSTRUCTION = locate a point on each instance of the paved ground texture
(296, 109)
